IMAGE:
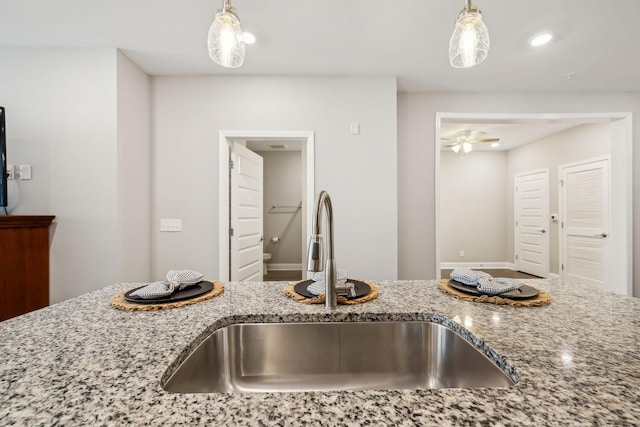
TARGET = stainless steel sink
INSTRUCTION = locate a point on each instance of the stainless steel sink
(288, 357)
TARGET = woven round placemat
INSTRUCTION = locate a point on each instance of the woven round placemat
(543, 298)
(119, 302)
(373, 294)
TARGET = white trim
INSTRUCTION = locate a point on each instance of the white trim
(621, 154)
(553, 276)
(498, 265)
(223, 187)
(283, 266)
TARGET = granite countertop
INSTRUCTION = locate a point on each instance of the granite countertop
(81, 362)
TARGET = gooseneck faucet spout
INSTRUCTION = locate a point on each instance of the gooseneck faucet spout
(315, 254)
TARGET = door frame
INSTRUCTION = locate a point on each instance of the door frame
(516, 234)
(308, 154)
(621, 180)
(562, 211)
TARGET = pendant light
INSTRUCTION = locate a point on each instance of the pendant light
(469, 42)
(225, 41)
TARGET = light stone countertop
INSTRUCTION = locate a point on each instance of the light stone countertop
(81, 362)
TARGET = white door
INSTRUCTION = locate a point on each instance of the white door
(246, 214)
(531, 234)
(584, 204)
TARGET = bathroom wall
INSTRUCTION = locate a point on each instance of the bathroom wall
(283, 187)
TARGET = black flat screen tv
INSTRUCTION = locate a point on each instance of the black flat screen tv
(3, 162)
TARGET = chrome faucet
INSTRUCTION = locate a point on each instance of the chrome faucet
(315, 254)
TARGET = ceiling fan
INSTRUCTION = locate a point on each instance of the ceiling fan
(465, 138)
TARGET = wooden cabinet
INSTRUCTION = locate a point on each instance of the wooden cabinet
(24, 264)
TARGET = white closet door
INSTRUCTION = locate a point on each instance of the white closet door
(531, 202)
(585, 221)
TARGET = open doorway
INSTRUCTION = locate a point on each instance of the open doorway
(282, 208)
(256, 140)
(618, 127)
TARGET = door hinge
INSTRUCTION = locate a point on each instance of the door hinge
(516, 223)
(516, 188)
(562, 267)
(562, 224)
(231, 232)
(230, 164)
(561, 183)
(516, 256)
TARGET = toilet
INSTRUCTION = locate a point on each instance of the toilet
(266, 257)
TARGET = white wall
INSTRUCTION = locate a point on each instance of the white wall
(80, 117)
(416, 152)
(579, 143)
(61, 118)
(133, 173)
(473, 206)
(282, 187)
(359, 171)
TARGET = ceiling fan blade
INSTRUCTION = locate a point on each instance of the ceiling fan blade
(487, 140)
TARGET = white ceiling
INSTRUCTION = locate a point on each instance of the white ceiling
(595, 40)
(512, 133)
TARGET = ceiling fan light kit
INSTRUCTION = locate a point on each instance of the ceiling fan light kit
(465, 139)
(225, 40)
(469, 42)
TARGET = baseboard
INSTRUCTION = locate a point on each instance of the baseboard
(497, 265)
(554, 276)
(281, 267)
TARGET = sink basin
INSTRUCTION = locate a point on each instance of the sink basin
(289, 357)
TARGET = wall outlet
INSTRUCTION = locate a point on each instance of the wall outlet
(11, 171)
(461, 252)
(355, 128)
(170, 225)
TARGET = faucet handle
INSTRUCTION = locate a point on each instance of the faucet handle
(315, 254)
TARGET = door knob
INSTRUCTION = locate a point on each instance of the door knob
(603, 235)
(543, 231)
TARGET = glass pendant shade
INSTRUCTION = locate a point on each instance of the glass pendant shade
(466, 147)
(455, 148)
(469, 42)
(225, 41)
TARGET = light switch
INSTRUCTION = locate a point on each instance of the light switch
(25, 172)
(170, 225)
(11, 171)
(355, 128)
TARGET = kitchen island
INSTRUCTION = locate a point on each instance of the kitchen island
(82, 362)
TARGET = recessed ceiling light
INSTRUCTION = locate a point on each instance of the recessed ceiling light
(541, 39)
(248, 37)
(495, 144)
